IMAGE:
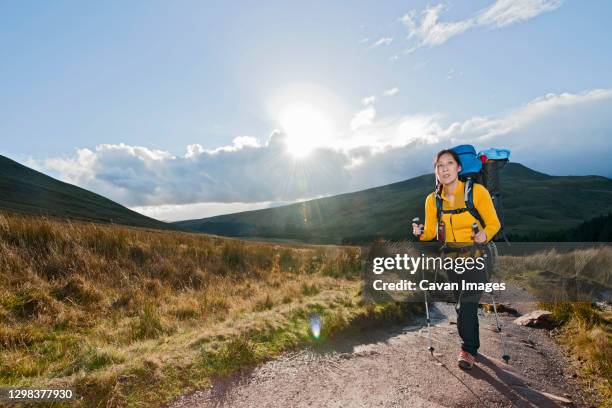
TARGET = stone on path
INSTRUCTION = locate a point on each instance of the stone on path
(537, 318)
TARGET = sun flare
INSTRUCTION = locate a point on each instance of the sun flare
(306, 126)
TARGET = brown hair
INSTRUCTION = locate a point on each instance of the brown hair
(445, 151)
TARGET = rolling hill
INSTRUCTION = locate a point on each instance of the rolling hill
(28, 191)
(533, 201)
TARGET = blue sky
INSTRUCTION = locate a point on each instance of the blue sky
(338, 95)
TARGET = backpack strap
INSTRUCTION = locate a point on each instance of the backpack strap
(440, 211)
(438, 206)
(468, 195)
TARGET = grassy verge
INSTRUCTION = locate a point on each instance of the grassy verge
(586, 331)
(131, 317)
(583, 328)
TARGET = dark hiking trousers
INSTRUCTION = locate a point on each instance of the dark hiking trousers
(467, 308)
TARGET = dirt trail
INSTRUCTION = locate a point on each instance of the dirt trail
(392, 368)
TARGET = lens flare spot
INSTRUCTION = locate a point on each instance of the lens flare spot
(315, 326)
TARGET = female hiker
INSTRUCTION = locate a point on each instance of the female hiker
(456, 230)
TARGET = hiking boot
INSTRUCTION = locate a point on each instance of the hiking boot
(466, 360)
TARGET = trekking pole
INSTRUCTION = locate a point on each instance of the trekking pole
(431, 347)
(504, 356)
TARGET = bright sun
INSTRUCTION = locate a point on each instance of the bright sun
(306, 126)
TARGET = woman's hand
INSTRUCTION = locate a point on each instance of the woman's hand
(417, 229)
(480, 238)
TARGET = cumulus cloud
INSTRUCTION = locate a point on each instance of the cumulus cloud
(393, 132)
(363, 117)
(368, 100)
(426, 29)
(391, 91)
(137, 176)
(556, 133)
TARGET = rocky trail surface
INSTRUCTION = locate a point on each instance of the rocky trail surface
(392, 368)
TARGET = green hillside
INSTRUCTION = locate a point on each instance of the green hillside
(597, 229)
(533, 201)
(28, 191)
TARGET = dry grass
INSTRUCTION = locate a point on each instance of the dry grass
(594, 264)
(586, 331)
(584, 328)
(134, 317)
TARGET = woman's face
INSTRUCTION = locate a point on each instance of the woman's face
(447, 169)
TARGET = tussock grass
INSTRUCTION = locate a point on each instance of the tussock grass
(590, 264)
(148, 324)
(309, 290)
(264, 304)
(586, 331)
(233, 355)
(134, 317)
(583, 328)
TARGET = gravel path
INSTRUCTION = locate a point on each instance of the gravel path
(392, 368)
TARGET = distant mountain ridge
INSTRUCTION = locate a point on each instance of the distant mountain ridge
(25, 190)
(533, 201)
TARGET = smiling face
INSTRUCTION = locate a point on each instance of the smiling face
(447, 169)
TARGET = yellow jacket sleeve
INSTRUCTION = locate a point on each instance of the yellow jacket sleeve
(431, 219)
(484, 204)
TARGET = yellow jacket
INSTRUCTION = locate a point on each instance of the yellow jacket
(459, 226)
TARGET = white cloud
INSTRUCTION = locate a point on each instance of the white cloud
(382, 41)
(371, 99)
(237, 174)
(244, 141)
(531, 113)
(237, 144)
(391, 91)
(194, 150)
(368, 100)
(506, 12)
(393, 132)
(428, 30)
(363, 117)
(178, 212)
(556, 133)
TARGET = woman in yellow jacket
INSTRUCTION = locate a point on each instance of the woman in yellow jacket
(457, 227)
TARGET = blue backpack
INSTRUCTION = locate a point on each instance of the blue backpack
(482, 168)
